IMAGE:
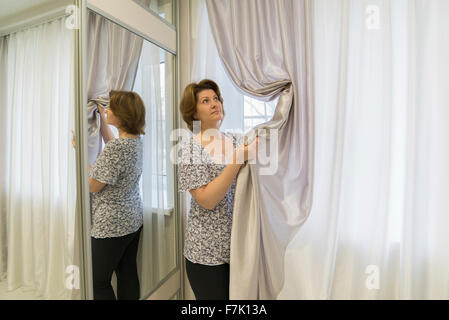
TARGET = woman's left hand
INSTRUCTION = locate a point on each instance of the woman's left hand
(73, 140)
(101, 111)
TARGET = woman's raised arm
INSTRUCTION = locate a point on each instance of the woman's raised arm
(210, 195)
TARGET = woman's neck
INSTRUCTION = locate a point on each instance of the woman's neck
(212, 127)
(124, 134)
(209, 133)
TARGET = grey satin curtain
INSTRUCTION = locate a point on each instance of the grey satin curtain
(113, 55)
(265, 47)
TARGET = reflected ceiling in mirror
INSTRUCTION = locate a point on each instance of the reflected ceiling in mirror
(163, 8)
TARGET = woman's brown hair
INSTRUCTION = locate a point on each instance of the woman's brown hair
(130, 109)
(189, 99)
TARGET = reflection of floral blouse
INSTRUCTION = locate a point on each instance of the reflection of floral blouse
(208, 232)
(117, 210)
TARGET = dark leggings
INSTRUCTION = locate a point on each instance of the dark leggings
(208, 282)
(119, 255)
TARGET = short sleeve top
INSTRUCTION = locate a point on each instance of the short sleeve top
(117, 210)
(208, 232)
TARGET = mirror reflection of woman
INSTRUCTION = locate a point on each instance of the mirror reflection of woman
(208, 168)
(117, 209)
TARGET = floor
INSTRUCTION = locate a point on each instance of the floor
(18, 294)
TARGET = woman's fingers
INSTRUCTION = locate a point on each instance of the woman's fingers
(247, 152)
(100, 110)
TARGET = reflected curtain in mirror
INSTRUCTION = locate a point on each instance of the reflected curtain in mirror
(154, 82)
(112, 59)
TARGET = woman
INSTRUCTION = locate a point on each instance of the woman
(208, 172)
(117, 210)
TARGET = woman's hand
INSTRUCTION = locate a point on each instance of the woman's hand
(247, 152)
(73, 140)
(210, 195)
(101, 111)
(251, 150)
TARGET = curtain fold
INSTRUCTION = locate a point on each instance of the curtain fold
(274, 61)
(113, 55)
(3, 194)
(38, 164)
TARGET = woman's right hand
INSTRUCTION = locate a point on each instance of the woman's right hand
(247, 152)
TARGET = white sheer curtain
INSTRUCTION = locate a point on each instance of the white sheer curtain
(377, 229)
(157, 246)
(38, 163)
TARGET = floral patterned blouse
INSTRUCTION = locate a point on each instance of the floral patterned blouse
(208, 232)
(117, 210)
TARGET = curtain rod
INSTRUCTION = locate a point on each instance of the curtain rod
(34, 21)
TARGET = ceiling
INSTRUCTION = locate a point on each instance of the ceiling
(12, 7)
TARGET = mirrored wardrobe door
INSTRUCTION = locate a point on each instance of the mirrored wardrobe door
(38, 253)
(119, 60)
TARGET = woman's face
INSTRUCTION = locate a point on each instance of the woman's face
(111, 119)
(209, 109)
